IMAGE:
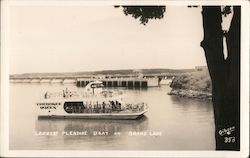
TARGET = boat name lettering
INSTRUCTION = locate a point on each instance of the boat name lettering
(39, 104)
(47, 107)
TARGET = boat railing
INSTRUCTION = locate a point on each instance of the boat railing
(56, 95)
(105, 108)
(75, 94)
(139, 107)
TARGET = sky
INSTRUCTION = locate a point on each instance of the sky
(90, 38)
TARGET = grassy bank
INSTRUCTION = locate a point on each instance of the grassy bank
(193, 85)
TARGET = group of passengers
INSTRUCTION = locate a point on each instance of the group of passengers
(66, 93)
(105, 107)
(96, 107)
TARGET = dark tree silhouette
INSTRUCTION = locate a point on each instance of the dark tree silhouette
(224, 73)
(144, 13)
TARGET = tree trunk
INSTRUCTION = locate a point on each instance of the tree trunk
(224, 75)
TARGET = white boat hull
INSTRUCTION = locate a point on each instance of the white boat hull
(117, 116)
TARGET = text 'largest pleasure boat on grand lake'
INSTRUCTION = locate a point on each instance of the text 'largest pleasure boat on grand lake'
(92, 103)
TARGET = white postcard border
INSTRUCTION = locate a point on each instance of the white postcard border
(115, 153)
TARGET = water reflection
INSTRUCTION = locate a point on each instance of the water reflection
(91, 127)
(186, 102)
(191, 107)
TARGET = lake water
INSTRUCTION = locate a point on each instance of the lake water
(171, 123)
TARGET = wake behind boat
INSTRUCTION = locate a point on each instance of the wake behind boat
(92, 103)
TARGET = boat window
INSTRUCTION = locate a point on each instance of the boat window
(73, 107)
(97, 85)
(100, 85)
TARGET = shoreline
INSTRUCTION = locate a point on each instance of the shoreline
(192, 94)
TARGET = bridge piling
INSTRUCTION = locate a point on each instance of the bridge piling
(130, 83)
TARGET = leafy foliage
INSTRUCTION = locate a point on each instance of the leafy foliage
(197, 81)
(144, 13)
(226, 10)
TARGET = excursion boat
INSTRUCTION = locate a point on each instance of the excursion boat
(92, 103)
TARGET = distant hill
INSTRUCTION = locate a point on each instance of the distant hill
(106, 72)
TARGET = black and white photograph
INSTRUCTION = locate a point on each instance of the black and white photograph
(124, 79)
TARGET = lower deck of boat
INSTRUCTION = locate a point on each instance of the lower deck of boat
(117, 116)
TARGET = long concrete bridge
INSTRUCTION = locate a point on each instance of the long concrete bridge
(148, 80)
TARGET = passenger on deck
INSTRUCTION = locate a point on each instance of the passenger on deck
(112, 105)
(109, 108)
(92, 107)
(46, 95)
(88, 107)
(64, 94)
(118, 105)
(100, 108)
(103, 107)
